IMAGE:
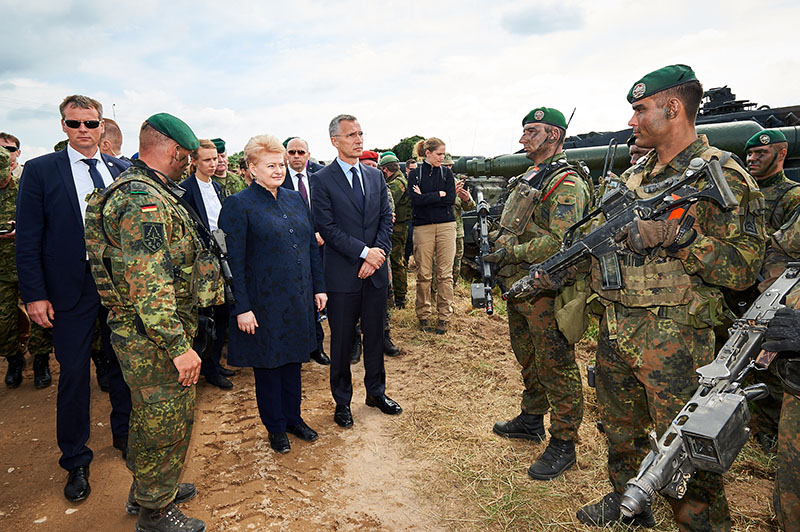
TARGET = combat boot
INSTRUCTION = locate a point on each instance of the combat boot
(355, 350)
(14, 374)
(556, 458)
(41, 371)
(167, 519)
(607, 511)
(400, 302)
(101, 370)
(389, 349)
(186, 492)
(524, 426)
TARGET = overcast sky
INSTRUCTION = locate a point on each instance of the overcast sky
(466, 71)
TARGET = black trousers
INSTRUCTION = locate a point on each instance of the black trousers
(344, 310)
(72, 342)
(278, 392)
(210, 366)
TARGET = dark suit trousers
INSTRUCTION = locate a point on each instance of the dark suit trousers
(278, 392)
(344, 310)
(72, 342)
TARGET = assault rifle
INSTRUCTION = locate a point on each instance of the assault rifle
(220, 249)
(711, 429)
(482, 291)
(621, 207)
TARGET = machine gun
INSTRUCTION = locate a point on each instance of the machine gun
(711, 429)
(220, 249)
(482, 291)
(621, 208)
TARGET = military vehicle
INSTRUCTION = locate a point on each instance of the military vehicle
(727, 122)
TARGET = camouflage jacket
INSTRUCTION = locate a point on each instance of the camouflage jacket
(563, 199)
(397, 193)
(782, 196)
(149, 242)
(8, 211)
(458, 208)
(231, 184)
(727, 252)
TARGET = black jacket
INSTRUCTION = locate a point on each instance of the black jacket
(429, 207)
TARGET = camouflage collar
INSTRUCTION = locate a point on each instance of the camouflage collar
(395, 175)
(681, 161)
(771, 180)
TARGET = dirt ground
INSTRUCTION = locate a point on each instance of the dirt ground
(436, 467)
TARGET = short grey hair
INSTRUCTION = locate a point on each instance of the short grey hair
(333, 128)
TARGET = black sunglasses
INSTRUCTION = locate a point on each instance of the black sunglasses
(12, 149)
(75, 124)
(297, 152)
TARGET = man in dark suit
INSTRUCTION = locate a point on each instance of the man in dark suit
(205, 196)
(298, 170)
(57, 286)
(352, 213)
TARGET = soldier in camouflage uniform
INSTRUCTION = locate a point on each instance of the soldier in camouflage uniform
(766, 153)
(230, 182)
(139, 227)
(542, 204)
(782, 337)
(396, 181)
(658, 328)
(40, 343)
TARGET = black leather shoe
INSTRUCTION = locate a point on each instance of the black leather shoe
(220, 382)
(121, 443)
(389, 349)
(186, 492)
(279, 442)
(355, 351)
(41, 372)
(302, 431)
(607, 511)
(343, 417)
(77, 488)
(319, 356)
(524, 426)
(386, 405)
(14, 374)
(225, 372)
(556, 458)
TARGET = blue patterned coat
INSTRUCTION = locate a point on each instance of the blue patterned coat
(277, 269)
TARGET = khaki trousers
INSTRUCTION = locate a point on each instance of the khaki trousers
(439, 241)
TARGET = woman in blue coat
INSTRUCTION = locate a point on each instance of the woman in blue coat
(277, 270)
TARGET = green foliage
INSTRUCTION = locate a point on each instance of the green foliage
(233, 160)
(404, 148)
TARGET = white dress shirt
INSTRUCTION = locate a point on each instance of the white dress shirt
(80, 175)
(210, 202)
(293, 175)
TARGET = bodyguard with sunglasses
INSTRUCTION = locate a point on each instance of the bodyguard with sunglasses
(11, 144)
(57, 286)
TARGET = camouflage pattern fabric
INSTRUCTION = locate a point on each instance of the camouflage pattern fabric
(397, 261)
(549, 372)
(787, 481)
(151, 246)
(551, 376)
(231, 184)
(647, 354)
(458, 209)
(457, 259)
(8, 212)
(397, 185)
(782, 196)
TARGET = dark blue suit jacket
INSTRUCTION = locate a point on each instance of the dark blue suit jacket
(346, 229)
(194, 197)
(51, 253)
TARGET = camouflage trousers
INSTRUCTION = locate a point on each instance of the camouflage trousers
(644, 377)
(457, 260)
(161, 418)
(40, 341)
(398, 262)
(787, 482)
(551, 376)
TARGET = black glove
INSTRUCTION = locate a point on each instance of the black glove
(783, 331)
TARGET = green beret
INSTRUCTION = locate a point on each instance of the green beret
(5, 163)
(764, 138)
(390, 152)
(220, 144)
(174, 128)
(659, 80)
(545, 115)
(285, 142)
(60, 145)
(387, 158)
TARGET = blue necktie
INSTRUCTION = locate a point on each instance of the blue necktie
(357, 192)
(97, 179)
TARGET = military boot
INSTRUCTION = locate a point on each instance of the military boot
(41, 371)
(101, 370)
(389, 349)
(607, 511)
(525, 426)
(14, 374)
(355, 350)
(400, 302)
(186, 492)
(167, 519)
(556, 458)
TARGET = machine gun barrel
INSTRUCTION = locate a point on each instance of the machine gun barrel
(711, 429)
(220, 249)
(482, 291)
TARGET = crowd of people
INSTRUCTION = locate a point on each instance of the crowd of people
(111, 259)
